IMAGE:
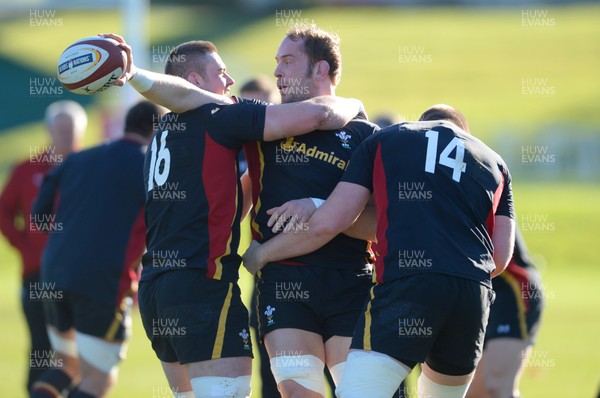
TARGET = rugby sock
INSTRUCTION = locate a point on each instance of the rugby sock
(52, 383)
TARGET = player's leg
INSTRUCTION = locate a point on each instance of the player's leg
(223, 377)
(371, 374)
(178, 379)
(61, 378)
(202, 324)
(440, 385)
(336, 353)
(450, 365)
(102, 337)
(297, 362)
(381, 356)
(345, 294)
(38, 335)
(512, 328)
(504, 359)
(175, 373)
(290, 326)
(99, 360)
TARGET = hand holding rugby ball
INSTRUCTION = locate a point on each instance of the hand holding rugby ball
(91, 65)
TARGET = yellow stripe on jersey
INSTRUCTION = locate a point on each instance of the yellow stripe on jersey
(367, 331)
(258, 203)
(218, 265)
(220, 337)
(516, 288)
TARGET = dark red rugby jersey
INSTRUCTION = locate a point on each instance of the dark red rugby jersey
(16, 202)
(193, 194)
(436, 190)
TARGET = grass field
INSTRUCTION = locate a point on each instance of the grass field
(478, 60)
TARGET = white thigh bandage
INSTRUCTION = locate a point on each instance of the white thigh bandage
(371, 374)
(61, 344)
(427, 388)
(221, 387)
(306, 370)
(337, 372)
(99, 353)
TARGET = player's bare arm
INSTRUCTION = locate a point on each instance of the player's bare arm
(319, 113)
(365, 226)
(340, 210)
(299, 211)
(172, 92)
(503, 239)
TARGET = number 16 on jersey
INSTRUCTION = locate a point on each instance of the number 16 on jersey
(163, 156)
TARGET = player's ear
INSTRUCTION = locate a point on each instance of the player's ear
(195, 78)
(321, 70)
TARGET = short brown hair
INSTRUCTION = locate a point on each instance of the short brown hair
(319, 45)
(445, 112)
(186, 58)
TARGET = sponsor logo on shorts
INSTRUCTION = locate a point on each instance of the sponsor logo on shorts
(269, 313)
(245, 338)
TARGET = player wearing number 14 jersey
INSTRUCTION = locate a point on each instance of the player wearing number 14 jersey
(445, 226)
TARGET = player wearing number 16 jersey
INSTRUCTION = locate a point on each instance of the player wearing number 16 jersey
(189, 297)
(445, 225)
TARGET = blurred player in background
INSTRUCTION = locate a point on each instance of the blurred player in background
(512, 328)
(307, 306)
(66, 122)
(435, 255)
(90, 261)
(195, 152)
(260, 88)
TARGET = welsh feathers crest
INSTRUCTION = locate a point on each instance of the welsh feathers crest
(344, 137)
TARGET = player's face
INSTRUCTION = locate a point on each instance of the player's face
(294, 78)
(64, 136)
(215, 78)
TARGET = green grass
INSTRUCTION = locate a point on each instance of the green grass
(478, 60)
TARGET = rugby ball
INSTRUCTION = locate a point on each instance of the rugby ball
(91, 65)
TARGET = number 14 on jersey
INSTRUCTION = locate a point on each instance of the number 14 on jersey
(456, 164)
